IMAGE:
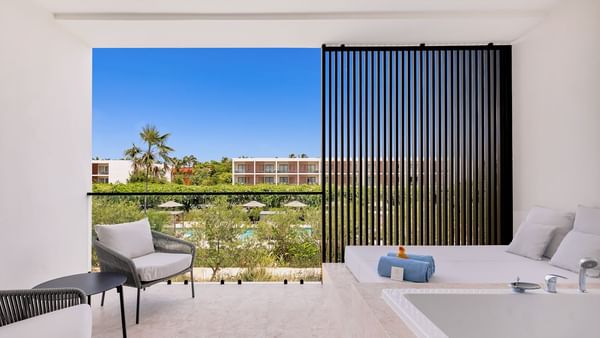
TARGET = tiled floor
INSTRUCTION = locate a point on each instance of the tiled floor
(249, 310)
(340, 307)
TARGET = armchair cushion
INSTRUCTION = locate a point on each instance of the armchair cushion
(160, 265)
(71, 322)
(129, 239)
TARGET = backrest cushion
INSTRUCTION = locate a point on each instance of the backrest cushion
(131, 240)
(574, 247)
(543, 215)
(587, 220)
(531, 240)
(562, 221)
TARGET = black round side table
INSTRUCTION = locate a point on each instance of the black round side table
(92, 283)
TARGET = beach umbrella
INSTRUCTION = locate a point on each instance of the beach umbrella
(170, 204)
(295, 204)
(254, 204)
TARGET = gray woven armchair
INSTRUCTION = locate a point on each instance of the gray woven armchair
(113, 261)
(18, 305)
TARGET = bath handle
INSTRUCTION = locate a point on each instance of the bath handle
(551, 282)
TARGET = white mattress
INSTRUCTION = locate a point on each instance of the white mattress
(459, 264)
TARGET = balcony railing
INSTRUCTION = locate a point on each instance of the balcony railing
(273, 242)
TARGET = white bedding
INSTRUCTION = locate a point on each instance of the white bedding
(459, 264)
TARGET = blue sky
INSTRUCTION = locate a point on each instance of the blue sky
(214, 102)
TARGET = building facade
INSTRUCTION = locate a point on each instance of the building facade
(116, 171)
(111, 171)
(274, 170)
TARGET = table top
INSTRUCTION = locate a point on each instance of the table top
(90, 283)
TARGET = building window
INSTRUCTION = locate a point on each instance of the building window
(103, 169)
(240, 180)
(100, 180)
(283, 168)
(269, 180)
(312, 168)
(240, 168)
(269, 168)
(311, 180)
(284, 180)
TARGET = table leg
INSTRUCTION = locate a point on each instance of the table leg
(120, 291)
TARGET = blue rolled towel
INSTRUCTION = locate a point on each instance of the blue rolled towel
(414, 271)
(422, 258)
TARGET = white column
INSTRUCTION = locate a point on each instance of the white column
(233, 171)
(298, 172)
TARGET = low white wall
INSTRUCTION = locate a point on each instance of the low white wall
(45, 147)
(556, 111)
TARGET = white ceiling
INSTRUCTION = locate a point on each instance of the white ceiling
(227, 6)
(300, 23)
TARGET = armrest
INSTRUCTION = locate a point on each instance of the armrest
(112, 261)
(17, 305)
(166, 243)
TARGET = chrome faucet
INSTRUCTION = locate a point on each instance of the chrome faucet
(551, 282)
(585, 264)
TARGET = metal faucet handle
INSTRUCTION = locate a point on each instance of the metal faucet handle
(551, 282)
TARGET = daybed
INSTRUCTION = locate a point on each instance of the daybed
(459, 264)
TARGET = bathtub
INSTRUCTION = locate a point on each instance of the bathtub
(496, 313)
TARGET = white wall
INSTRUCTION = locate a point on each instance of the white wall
(556, 111)
(119, 171)
(45, 147)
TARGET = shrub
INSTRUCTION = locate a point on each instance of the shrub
(218, 235)
(158, 219)
(255, 274)
(113, 211)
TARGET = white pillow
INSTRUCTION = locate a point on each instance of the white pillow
(587, 220)
(531, 240)
(574, 247)
(562, 221)
(129, 239)
(543, 215)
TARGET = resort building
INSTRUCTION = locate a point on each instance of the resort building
(111, 171)
(119, 171)
(274, 170)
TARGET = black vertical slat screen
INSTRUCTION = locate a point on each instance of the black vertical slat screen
(416, 145)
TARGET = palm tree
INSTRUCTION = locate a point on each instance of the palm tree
(189, 160)
(155, 152)
(133, 154)
(177, 163)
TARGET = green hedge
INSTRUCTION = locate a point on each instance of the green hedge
(198, 201)
(172, 187)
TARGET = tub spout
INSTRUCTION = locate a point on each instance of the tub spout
(585, 264)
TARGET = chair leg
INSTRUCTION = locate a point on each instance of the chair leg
(192, 281)
(102, 301)
(137, 308)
